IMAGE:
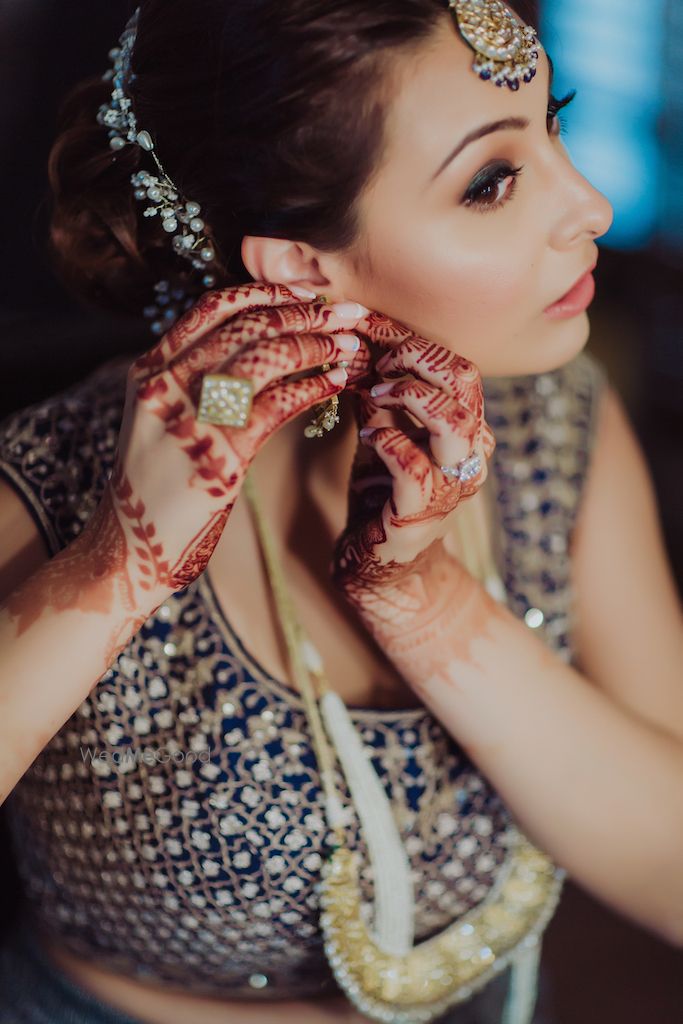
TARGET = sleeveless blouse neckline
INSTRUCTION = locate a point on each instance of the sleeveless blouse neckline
(287, 692)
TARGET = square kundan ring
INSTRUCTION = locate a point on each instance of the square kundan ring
(225, 401)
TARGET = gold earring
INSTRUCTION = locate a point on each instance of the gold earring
(327, 416)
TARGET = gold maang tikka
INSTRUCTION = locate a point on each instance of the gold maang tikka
(506, 49)
(328, 415)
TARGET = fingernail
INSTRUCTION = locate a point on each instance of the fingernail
(303, 293)
(349, 342)
(349, 310)
(338, 375)
(366, 431)
(381, 389)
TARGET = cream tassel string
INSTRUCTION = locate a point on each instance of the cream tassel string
(394, 894)
(394, 900)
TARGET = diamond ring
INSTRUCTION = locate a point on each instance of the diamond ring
(225, 401)
(466, 469)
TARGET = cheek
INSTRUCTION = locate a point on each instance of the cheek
(452, 294)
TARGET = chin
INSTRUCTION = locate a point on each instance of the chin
(563, 341)
(568, 338)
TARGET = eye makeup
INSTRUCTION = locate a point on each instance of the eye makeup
(484, 193)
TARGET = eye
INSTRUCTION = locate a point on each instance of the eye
(495, 185)
(492, 187)
(484, 194)
(556, 125)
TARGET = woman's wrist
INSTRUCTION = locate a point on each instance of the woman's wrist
(396, 606)
(103, 560)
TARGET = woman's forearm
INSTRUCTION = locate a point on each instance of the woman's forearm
(598, 789)
(59, 632)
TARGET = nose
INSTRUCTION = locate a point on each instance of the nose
(583, 213)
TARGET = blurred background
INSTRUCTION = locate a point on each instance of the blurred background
(624, 132)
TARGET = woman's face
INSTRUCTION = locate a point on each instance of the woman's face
(472, 268)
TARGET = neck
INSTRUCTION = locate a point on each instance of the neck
(301, 480)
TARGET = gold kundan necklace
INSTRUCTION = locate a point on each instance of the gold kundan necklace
(382, 972)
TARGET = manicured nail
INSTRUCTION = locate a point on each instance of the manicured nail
(338, 375)
(382, 389)
(303, 293)
(366, 431)
(349, 342)
(349, 310)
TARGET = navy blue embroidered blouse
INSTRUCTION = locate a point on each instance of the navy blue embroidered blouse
(200, 868)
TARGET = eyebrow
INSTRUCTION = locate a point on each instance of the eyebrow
(507, 123)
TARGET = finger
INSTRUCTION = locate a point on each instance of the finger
(446, 369)
(209, 445)
(488, 441)
(298, 318)
(261, 362)
(266, 361)
(211, 309)
(282, 402)
(269, 325)
(425, 359)
(410, 468)
(370, 414)
(452, 428)
(383, 331)
(359, 366)
(215, 307)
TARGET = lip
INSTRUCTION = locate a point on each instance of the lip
(576, 300)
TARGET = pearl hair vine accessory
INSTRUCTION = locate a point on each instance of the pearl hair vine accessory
(506, 49)
(179, 217)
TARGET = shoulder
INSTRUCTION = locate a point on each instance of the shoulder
(629, 633)
(56, 454)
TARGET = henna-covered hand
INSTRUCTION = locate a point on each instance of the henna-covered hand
(399, 498)
(175, 480)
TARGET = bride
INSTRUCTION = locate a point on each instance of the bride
(474, 548)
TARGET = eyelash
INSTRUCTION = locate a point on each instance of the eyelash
(502, 172)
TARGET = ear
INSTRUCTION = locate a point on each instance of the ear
(283, 262)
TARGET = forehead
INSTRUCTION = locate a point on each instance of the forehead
(437, 99)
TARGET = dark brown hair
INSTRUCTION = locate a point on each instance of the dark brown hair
(269, 113)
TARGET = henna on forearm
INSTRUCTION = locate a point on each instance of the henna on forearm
(91, 575)
(423, 615)
(155, 570)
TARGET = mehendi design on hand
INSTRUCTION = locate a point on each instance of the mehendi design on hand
(151, 568)
(154, 569)
(397, 529)
(175, 480)
(256, 311)
(195, 558)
